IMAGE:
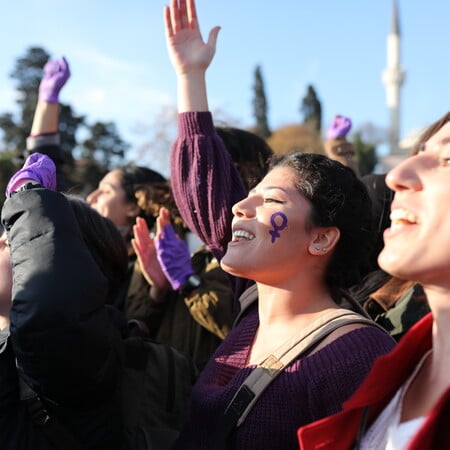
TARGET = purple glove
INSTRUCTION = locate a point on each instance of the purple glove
(339, 128)
(37, 167)
(56, 73)
(173, 255)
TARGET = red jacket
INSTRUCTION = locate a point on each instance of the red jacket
(338, 432)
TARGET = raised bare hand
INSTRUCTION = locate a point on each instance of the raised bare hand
(144, 247)
(187, 51)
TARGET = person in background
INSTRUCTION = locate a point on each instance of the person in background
(59, 346)
(191, 301)
(115, 198)
(293, 234)
(404, 403)
(336, 144)
(393, 303)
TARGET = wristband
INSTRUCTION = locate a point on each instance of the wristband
(193, 282)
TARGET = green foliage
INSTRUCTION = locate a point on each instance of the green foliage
(311, 109)
(86, 175)
(69, 124)
(295, 138)
(7, 168)
(260, 106)
(27, 74)
(365, 154)
(104, 144)
(102, 148)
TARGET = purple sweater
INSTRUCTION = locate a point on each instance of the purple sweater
(205, 181)
(310, 388)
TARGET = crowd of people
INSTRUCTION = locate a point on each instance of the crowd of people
(312, 301)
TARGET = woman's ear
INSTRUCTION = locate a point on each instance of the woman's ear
(323, 240)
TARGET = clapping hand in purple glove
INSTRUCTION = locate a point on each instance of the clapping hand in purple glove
(172, 252)
(339, 128)
(56, 73)
(37, 168)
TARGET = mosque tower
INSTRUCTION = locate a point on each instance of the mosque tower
(393, 77)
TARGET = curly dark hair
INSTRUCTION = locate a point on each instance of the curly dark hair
(135, 178)
(341, 200)
(152, 197)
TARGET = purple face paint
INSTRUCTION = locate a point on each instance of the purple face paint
(279, 222)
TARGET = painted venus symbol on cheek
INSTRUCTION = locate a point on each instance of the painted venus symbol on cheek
(277, 227)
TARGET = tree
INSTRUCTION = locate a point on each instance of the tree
(295, 138)
(311, 109)
(27, 73)
(102, 150)
(7, 169)
(260, 106)
(365, 153)
(104, 144)
(102, 147)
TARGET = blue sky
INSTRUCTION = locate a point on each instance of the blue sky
(121, 72)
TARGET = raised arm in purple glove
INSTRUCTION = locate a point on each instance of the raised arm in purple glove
(37, 168)
(56, 73)
(172, 252)
(339, 128)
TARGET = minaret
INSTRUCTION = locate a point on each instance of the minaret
(393, 77)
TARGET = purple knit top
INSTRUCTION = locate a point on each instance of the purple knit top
(204, 180)
(310, 388)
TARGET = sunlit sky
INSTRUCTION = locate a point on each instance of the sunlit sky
(121, 71)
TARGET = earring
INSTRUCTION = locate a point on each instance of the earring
(324, 249)
(317, 247)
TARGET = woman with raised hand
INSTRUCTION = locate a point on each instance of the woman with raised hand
(405, 402)
(301, 234)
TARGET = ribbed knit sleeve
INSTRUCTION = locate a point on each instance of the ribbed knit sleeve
(204, 180)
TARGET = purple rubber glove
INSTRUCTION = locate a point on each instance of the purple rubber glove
(56, 73)
(339, 128)
(38, 168)
(173, 255)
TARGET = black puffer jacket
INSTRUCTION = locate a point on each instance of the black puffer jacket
(61, 334)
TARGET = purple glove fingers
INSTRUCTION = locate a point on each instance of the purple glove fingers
(173, 255)
(37, 167)
(339, 128)
(56, 73)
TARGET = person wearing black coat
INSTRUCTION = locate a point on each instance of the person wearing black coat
(61, 342)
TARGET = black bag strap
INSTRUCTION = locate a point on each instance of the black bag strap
(260, 378)
(55, 432)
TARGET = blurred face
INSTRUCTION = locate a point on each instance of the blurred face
(109, 200)
(5, 274)
(417, 245)
(270, 232)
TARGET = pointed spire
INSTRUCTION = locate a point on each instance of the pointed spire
(395, 28)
